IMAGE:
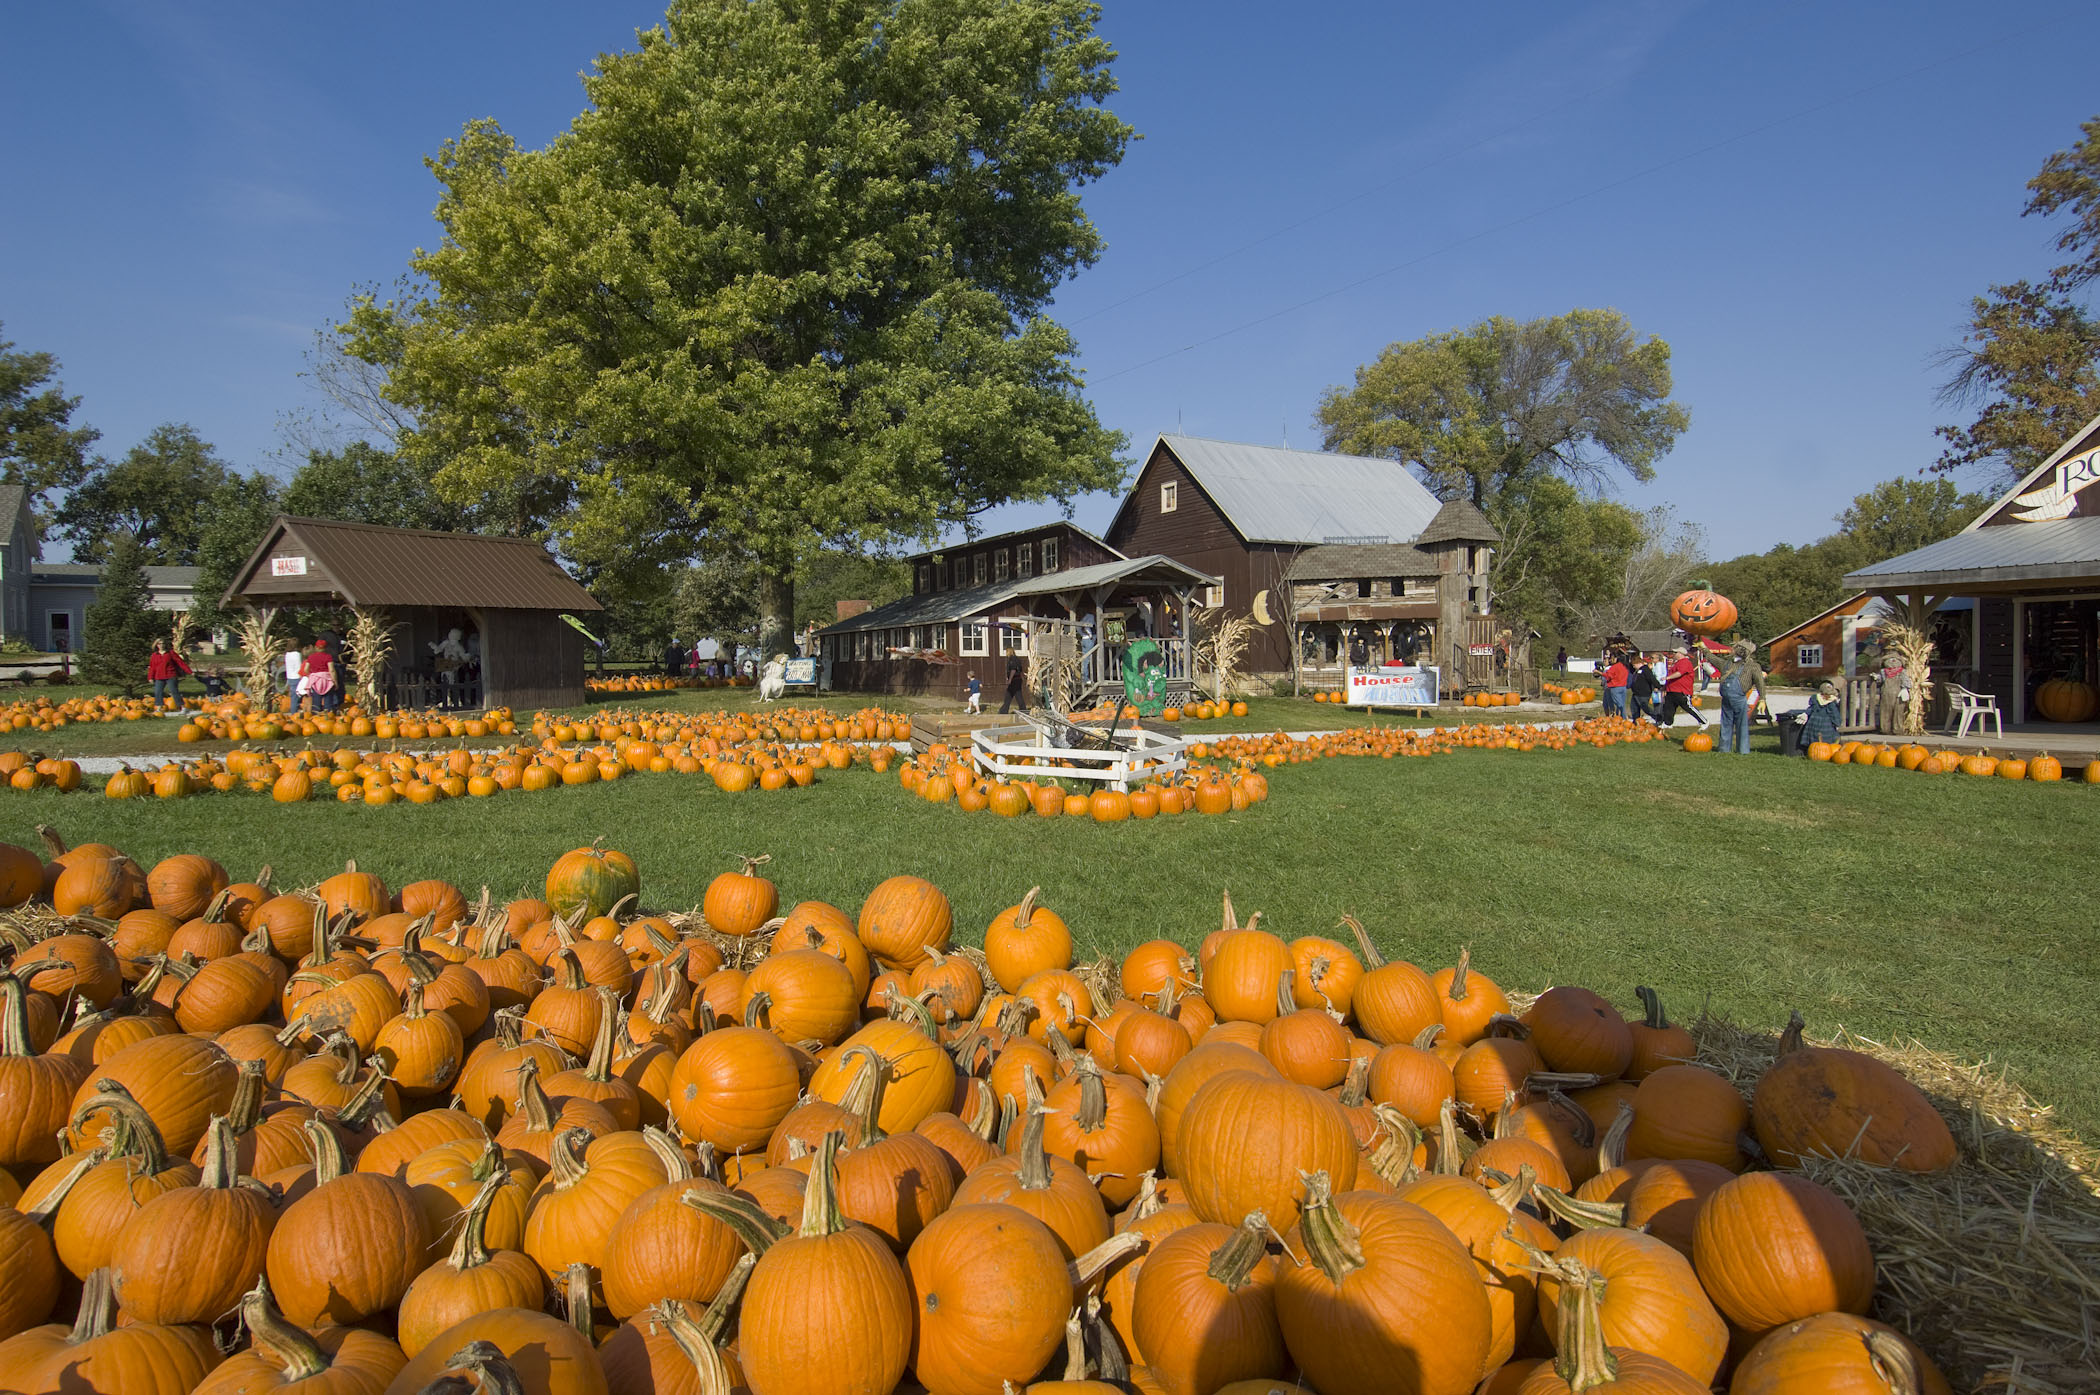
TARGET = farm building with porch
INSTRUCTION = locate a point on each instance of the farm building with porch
(499, 601)
(1323, 551)
(983, 608)
(2031, 565)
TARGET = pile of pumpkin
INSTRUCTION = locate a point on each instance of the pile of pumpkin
(1925, 760)
(238, 720)
(1568, 696)
(660, 683)
(1281, 748)
(42, 714)
(940, 776)
(377, 1139)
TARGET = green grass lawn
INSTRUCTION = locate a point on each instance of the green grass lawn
(1878, 899)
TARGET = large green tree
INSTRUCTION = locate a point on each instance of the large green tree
(157, 495)
(235, 518)
(40, 448)
(1529, 419)
(780, 287)
(2029, 360)
(362, 483)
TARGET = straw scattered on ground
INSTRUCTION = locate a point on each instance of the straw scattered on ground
(1992, 1266)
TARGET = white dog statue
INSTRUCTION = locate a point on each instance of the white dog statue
(772, 679)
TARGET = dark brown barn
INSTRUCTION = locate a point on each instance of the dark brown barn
(506, 596)
(977, 608)
(1320, 549)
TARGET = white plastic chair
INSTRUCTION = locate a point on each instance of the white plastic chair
(1970, 707)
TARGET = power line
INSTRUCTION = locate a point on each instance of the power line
(1559, 204)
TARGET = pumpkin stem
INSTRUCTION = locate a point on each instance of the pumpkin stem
(1583, 1215)
(1460, 989)
(1232, 1263)
(1231, 920)
(1892, 1359)
(330, 1161)
(221, 1155)
(1034, 1172)
(677, 1166)
(1611, 1149)
(598, 1069)
(1367, 951)
(368, 1105)
(1092, 1115)
(14, 1018)
(755, 1009)
(820, 1206)
(576, 1296)
(1356, 1085)
(568, 970)
(1331, 1243)
(268, 1331)
(1392, 1157)
(1025, 912)
(1585, 1362)
(565, 1162)
(903, 1006)
(1652, 1001)
(754, 1227)
(1450, 1143)
(54, 845)
(1104, 1256)
(1147, 1199)
(134, 1129)
(1055, 1040)
(699, 1348)
(1425, 1040)
(1504, 1024)
(1286, 1000)
(98, 1308)
(1790, 1040)
(1075, 1345)
(477, 1366)
(470, 1250)
(984, 1120)
(863, 1098)
(1009, 1111)
(532, 1100)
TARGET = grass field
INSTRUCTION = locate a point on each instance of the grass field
(1895, 904)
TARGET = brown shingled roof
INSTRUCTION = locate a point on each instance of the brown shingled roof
(366, 565)
(1337, 561)
(1459, 520)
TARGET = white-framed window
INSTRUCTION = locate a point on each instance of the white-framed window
(861, 644)
(977, 568)
(999, 564)
(1213, 595)
(1024, 560)
(1169, 496)
(1013, 637)
(976, 638)
(1808, 656)
(1049, 555)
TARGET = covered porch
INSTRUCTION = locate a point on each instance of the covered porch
(1105, 605)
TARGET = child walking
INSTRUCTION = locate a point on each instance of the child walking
(976, 691)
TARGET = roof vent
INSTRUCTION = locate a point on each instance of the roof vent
(1363, 540)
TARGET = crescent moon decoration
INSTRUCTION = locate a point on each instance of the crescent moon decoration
(1261, 609)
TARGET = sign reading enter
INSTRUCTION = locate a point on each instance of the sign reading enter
(287, 566)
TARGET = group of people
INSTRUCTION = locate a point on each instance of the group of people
(1659, 686)
(681, 658)
(165, 670)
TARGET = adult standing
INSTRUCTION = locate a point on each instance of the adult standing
(1560, 660)
(674, 659)
(1677, 691)
(1742, 678)
(1016, 686)
(1616, 677)
(165, 669)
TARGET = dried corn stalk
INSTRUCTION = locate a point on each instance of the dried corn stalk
(179, 628)
(1904, 635)
(1221, 646)
(371, 645)
(259, 641)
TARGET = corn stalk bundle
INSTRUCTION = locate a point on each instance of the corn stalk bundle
(258, 636)
(371, 645)
(1904, 635)
(1221, 644)
(179, 631)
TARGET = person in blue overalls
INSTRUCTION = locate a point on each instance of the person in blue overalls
(1742, 678)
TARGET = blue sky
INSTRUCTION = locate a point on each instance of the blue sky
(1799, 197)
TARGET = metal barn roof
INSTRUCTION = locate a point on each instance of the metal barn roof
(366, 565)
(1300, 496)
(940, 607)
(2066, 549)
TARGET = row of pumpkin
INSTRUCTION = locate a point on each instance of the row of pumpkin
(824, 1153)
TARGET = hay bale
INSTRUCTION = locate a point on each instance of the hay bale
(1992, 1266)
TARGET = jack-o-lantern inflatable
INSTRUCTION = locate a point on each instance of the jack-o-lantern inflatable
(1703, 612)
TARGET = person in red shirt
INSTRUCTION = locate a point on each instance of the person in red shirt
(165, 669)
(1616, 677)
(320, 680)
(1677, 690)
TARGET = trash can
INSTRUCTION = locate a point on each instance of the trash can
(1790, 724)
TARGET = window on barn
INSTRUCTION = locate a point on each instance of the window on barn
(1013, 638)
(1169, 497)
(1024, 560)
(977, 568)
(1213, 596)
(999, 564)
(1808, 656)
(975, 638)
(1363, 590)
(1049, 555)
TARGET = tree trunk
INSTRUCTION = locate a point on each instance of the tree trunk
(776, 612)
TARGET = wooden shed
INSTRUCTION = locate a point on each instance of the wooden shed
(505, 596)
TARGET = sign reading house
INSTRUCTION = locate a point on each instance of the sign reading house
(287, 566)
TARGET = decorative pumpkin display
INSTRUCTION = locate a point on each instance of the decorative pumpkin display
(1703, 612)
(2066, 700)
(878, 1161)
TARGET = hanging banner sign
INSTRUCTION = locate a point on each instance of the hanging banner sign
(2060, 498)
(1392, 687)
(287, 566)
